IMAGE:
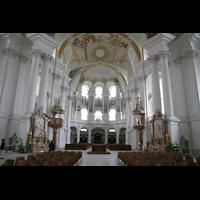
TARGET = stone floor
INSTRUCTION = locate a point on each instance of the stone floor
(88, 159)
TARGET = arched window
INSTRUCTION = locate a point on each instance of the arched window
(84, 113)
(98, 92)
(112, 114)
(112, 90)
(98, 115)
(85, 89)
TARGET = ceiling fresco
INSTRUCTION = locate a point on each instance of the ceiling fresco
(105, 47)
(119, 51)
(99, 73)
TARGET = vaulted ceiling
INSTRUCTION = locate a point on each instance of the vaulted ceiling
(89, 54)
(100, 57)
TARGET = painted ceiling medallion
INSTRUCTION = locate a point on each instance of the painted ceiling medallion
(100, 53)
(103, 47)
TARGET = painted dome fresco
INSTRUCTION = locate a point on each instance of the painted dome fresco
(113, 52)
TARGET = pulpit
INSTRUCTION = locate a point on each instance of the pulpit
(54, 122)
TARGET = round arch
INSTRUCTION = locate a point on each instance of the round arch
(134, 45)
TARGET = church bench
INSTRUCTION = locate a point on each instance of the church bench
(47, 159)
(119, 147)
(77, 146)
(8, 162)
(156, 159)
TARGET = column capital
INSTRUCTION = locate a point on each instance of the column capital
(163, 54)
(56, 76)
(24, 59)
(190, 54)
(63, 88)
(177, 60)
(37, 53)
(153, 58)
(140, 78)
(128, 99)
(69, 98)
(9, 51)
(46, 58)
(135, 90)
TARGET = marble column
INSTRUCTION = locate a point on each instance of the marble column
(173, 126)
(167, 93)
(106, 135)
(89, 134)
(127, 120)
(155, 82)
(117, 136)
(69, 120)
(134, 138)
(24, 127)
(78, 134)
(44, 82)
(30, 102)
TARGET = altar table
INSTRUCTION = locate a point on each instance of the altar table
(98, 149)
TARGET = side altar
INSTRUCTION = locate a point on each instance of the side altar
(159, 137)
(38, 133)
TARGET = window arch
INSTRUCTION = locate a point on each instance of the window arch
(85, 89)
(98, 115)
(98, 92)
(112, 114)
(84, 113)
(112, 90)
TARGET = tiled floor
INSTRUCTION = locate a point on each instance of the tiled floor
(88, 159)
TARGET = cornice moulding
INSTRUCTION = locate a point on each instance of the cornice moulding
(157, 43)
(43, 42)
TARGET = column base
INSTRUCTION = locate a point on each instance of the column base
(127, 137)
(173, 129)
(134, 139)
(68, 133)
(24, 127)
